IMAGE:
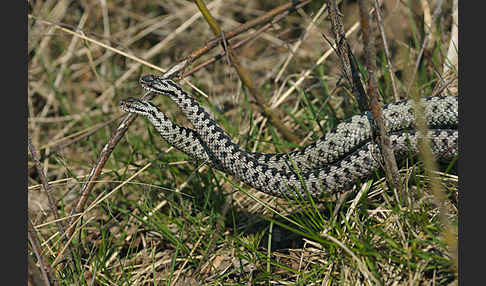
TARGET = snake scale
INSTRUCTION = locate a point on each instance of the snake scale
(333, 163)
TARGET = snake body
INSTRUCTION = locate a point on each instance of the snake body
(336, 161)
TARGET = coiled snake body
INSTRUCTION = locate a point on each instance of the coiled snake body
(334, 162)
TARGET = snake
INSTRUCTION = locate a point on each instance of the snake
(339, 159)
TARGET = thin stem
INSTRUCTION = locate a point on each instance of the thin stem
(245, 78)
(391, 167)
(50, 199)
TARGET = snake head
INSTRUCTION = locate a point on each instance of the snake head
(154, 83)
(134, 105)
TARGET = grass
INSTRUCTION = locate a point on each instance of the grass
(155, 217)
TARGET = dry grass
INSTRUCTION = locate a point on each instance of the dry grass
(153, 216)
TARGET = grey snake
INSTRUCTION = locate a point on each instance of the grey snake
(335, 162)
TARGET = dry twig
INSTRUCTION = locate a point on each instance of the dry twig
(391, 168)
(36, 248)
(245, 78)
(45, 185)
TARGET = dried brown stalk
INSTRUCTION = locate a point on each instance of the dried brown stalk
(344, 52)
(245, 78)
(36, 248)
(391, 168)
(100, 163)
(241, 42)
(50, 199)
(265, 18)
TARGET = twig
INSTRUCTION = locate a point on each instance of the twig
(245, 27)
(239, 43)
(345, 55)
(100, 163)
(337, 27)
(35, 245)
(50, 199)
(222, 54)
(391, 168)
(245, 78)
